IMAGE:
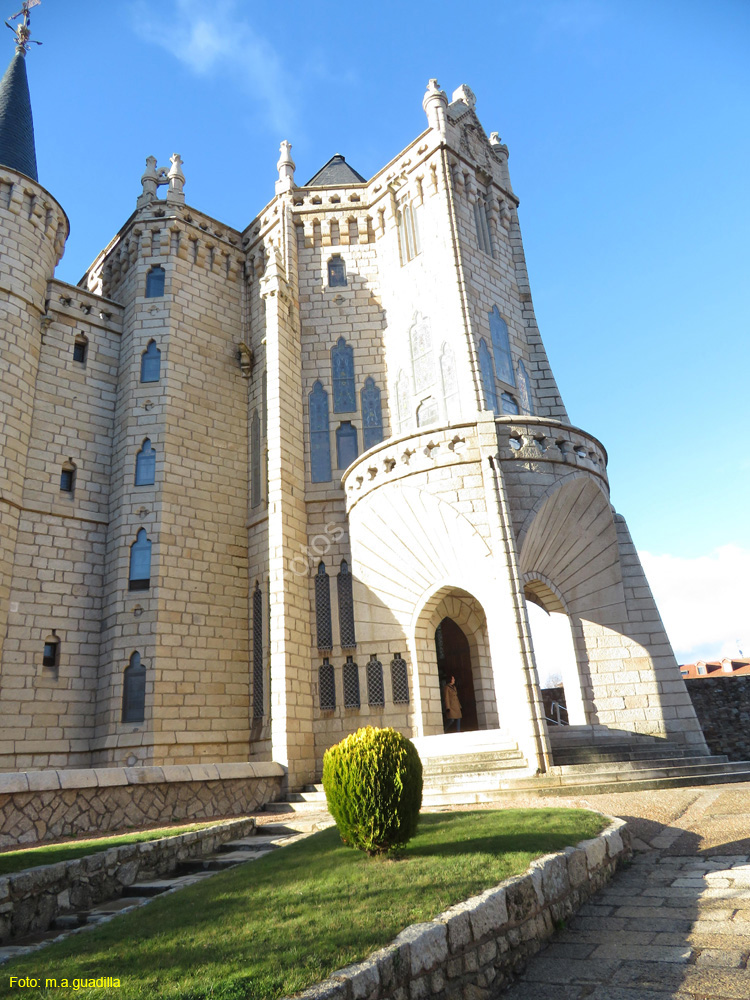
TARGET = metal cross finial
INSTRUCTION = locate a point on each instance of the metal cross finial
(23, 31)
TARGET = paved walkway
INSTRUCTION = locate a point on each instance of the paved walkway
(675, 925)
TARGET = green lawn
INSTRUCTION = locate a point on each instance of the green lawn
(275, 926)
(50, 854)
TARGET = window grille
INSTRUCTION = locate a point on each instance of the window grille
(320, 441)
(524, 389)
(399, 680)
(336, 272)
(51, 653)
(134, 690)
(139, 577)
(323, 608)
(342, 367)
(155, 282)
(346, 606)
(255, 478)
(509, 404)
(375, 690)
(372, 414)
(501, 347)
(327, 686)
(347, 448)
(145, 465)
(488, 377)
(151, 363)
(258, 701)
(351, 684)
(68, 479)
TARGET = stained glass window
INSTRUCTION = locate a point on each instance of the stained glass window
(346, 444)
(320, 441)
(155, 282)
(336, 272)
(134, 690)
(488, 377)
(372, 414)
(501, 347)
(420, 340)
(151, 363)
(524, 389)
(342, 366)
(145, 465)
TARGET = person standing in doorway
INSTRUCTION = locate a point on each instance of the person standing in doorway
(452, 705)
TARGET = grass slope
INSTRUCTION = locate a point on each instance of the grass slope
(273, 927)
(50, 854)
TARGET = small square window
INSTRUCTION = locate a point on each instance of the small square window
(49, 657)
(80, 351)
(67, 480)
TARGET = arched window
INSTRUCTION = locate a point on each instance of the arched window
(320, 441)
(488, 377)
(68, 477)
(372, 414)
(145, 465)
(420, 342)
(336, 272)
(327, 686)
(51, 653)
(346, 606)
(255, 477)
(408, 231)
(524, 389)
(134, 690)
(375, 690)
(509, 404)
(323, 608)
(346, 444)
(481, 220)
(342, 366)
(151, 363)
(399, 680)
(81, 348)
(139, 577)
(351, 684)
(450, 381)
(404, 402)
(155, 282)
(501, 347)
(427, 412)
(258, 710)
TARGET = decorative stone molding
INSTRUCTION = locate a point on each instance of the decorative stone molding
(542, 439)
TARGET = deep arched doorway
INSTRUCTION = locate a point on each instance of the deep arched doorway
(454, 660)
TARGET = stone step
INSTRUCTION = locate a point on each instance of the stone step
(601, 767)
(508, 766)
(148, 889)
(301, 806)
(593, 755)
(317, 797)
(251, 845)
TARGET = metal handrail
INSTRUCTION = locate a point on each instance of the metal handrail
(556, 708)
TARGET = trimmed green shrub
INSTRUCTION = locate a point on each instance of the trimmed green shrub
(373, 785)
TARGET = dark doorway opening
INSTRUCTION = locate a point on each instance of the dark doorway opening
(454, 660)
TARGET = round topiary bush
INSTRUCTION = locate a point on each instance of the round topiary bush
(373, 785)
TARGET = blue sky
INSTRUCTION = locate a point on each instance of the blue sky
(627, 122)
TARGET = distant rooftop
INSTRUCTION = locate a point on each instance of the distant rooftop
(336, 172)
(718, 668)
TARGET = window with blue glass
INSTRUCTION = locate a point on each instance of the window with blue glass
(336, 272)
(509, 404)
(145, 465)
(372, 414)
(155, 282)
(139, 576)
(524, 389)
(342, 366)
(488, 377)
(134, 690)
(151, 363)
(501, 347)
(255, 476)
(320, 440)
(346, 444)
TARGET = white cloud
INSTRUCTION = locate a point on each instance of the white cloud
(704, 602)
(213, 38)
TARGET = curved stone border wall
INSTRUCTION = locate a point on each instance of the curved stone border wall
(30, 900)
(474, 948)
(47, 805)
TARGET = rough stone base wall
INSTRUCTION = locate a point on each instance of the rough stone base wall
(474, 949)
(722, 705)
(46, 805)
(30, 900)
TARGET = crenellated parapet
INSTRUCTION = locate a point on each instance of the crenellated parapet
(536, 442)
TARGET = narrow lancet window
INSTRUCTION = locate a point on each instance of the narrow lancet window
(336, 272)
(258, 702)
(488, 377)
(323, 608)
(327, 686)
(375, 690)
(399, 680)
(155, 282)
(320, 441)
(134, 690)
(501, 347)
(151, 363)
(509, 404)
(346, 606)
(145, 465)
(255, 465)
(342, 366)
(524, 389)
(346, 444)
(351, 684)
(139, 577)
(372, 414)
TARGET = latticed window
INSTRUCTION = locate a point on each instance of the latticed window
(134, 690)
(323, 608)
(399, 680)
(351, 684)
(488, 377)
(327, 686)
(342, 366)
(375, 690)
(320, 441)
(524, 389)
(346, 606)
(155, 282)
(372, 414)
(145, 465)
(501, 347)
(258, 710)
(255, 476)
(347, 449)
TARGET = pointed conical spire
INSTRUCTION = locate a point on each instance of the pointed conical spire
(17, 149)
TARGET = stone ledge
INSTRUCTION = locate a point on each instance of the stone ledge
(484, 941)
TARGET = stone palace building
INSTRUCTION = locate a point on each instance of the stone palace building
(262, 486)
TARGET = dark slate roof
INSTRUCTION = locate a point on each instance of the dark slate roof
(336, 171)
(17, 149)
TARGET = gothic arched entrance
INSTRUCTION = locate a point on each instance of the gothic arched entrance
(454, 660)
